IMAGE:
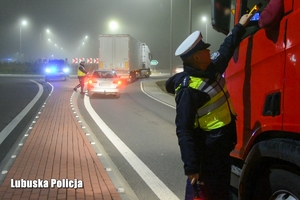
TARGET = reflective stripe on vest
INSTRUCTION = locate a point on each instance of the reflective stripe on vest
(215, 113)
(204, 110)
(80, 73)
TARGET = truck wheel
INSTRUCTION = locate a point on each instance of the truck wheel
(278, 184)
(117, 95)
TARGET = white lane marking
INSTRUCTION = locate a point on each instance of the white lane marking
(156, 99)
(156, 185)
(8, 129)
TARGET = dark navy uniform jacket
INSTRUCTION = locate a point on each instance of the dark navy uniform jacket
(188, 100)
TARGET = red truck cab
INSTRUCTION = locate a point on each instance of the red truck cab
(263, 79)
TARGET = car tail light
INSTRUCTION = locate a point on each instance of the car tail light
(91, 80)
(119, 82)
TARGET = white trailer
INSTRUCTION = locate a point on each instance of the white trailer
(127, 56)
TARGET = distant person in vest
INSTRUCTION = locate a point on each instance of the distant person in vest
(205, 118)
(81, 73)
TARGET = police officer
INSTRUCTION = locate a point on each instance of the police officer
(81, 73)
(205, 118)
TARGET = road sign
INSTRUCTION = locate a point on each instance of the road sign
(82, 59)
(89, 60)
(154, 62)
(75, 60)
(96, 60)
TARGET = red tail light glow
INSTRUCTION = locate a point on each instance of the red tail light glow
(91, 80)
(119, 82)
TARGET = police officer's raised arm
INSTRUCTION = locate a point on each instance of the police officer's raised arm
(232, 40)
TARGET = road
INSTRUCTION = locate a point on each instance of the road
(146, 127)
(21, 98)
(148, 159)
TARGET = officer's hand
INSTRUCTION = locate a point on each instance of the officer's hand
(245, 19)
(193, 178)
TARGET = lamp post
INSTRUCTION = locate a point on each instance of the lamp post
(171, 31)
(204, 19)
(42, 42)
(171, 38)
(48, 33)
(23, 23)
(190, 16)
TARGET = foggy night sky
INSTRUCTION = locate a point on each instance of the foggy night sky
(71, 20)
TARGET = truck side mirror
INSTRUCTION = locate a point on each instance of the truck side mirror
(221, 15)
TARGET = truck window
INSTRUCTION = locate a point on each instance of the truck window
(247, 5)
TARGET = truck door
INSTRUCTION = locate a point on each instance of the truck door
(291, 96)
(255, 79)
(120, 56)
(105, 52)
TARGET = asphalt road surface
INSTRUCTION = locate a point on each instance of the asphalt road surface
(144, 128)
(21, 99)
(137, 132)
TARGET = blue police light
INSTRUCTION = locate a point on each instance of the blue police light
(51, 69)
(48, 70)
(66, 70)
(54, 69)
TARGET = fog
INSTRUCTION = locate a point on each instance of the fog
(74, 26)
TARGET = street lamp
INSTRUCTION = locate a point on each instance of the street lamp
(204, 19)
(23, 23)
(113, 25)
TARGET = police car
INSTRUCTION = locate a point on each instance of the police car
(56, 70)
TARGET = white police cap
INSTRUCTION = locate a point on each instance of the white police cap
(191, 44)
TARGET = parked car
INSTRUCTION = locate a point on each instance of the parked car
(56, 70)
(104, 82)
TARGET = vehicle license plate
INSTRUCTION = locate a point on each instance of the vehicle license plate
(104, 84)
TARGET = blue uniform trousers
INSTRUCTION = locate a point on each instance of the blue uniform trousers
(215, 165)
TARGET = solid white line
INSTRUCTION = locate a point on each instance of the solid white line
(156, 99)
(156, 185)
(8, 129)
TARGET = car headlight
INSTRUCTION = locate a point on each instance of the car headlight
(48, 70)
(66, 70)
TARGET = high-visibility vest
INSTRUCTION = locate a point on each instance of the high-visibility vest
(216, 113)
(80, 73)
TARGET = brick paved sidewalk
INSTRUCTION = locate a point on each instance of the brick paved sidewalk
(57, 157)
